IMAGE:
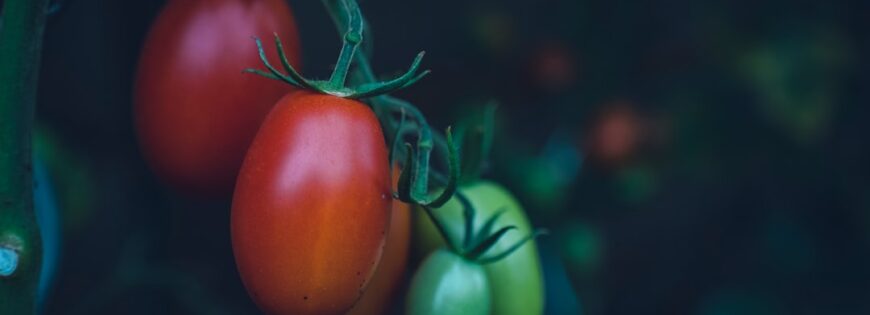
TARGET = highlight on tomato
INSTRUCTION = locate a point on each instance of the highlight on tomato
(311, 206)
(447, 283)
(196, 113)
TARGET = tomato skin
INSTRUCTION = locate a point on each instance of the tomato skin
(381, 291)
(195, 111)
(517, 280)
(311, 205)
(446, 283)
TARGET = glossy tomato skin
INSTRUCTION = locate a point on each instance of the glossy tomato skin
(517, 280)
(381, 292)
(195, 111)
(446, 283)
(311, 206)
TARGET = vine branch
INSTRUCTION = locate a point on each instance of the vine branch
(414, 178)
(384, 104)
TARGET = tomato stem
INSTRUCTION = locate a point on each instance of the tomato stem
(404, 184)
(425, 144)
(22, 23)
(416, 171)
(410, 176)
(352, 39)
(453, 179)
(384, 113)
(414, 180)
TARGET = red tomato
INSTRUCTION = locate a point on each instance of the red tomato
(311, 206)
(383, 289)
(195, 111)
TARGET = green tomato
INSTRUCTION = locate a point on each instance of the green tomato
(446, 283)
(517, 280)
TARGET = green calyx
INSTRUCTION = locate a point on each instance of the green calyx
(475, 245)
(335, 85)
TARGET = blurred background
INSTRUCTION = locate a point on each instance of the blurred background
(689, 157)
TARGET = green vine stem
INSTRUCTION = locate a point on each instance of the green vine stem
(415, 176)
(413, 181)
(421, 173)
(21, 26)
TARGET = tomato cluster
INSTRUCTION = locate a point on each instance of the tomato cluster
(314, 226)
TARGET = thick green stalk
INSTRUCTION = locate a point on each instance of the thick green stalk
(21, 31)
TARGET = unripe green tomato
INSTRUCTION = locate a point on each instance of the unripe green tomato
(516, 281)
(447, 284)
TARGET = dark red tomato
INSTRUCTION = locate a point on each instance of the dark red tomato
(195, 111)
(383, 289)
(312, 205)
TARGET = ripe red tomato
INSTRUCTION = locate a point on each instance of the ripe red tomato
(382, 290)
(195, 111)
(311, 206)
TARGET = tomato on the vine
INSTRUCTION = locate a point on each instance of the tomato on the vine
(195, 111)
(311, 205)
(446, 283)
(517, 280)
(379, 294)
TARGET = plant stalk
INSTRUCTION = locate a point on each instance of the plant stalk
(23, 23)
